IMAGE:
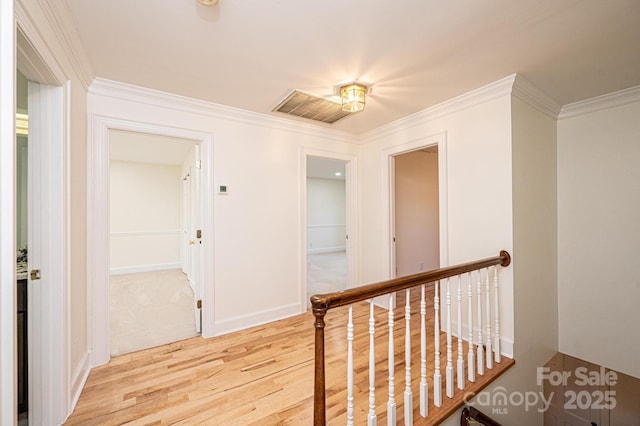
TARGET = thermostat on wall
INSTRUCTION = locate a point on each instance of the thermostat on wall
(223, 189)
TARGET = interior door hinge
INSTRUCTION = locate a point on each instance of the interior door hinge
(199, 164)
(35, 274)
(199, 304)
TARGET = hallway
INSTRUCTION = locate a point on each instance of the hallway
(262, 375)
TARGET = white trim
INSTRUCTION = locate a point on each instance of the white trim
(98, 223)
(467, 100)
(352, 222)
(145, 268)
(599, 103)
(143, 233)
(64, 28)
(64, 32)
(243, 322)
(8, 402)
(158, 99)
(524, 90)
(326, 250)
(387, 207)
(506, 344)
(331, 225)
(79, 378)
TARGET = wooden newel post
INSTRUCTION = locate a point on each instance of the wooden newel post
(319, 402)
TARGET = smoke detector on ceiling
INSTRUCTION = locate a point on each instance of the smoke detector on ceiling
(208, 2)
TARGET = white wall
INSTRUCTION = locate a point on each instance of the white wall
(326, 215)
(145, 201)
(534, 262)
(477, 173)
(598, 236)
(416, 212)
(64, 65)
(257, 230)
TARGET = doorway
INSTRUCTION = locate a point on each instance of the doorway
(329, 223)
(416, 239)
(327, 235)
(100, 235)
(22, 215)
(154, 282)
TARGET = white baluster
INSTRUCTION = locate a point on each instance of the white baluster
(496, 315)
(391, 403)
(488, 357)
(480, 341)
(437, 378)
(372, 419)
(460, 366)
(449, 369)
(408, 394)
(350, 368)
(424, 387)
(471, 357)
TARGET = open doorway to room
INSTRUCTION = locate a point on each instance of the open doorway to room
(22, 205)
(327, 233)
(416, 237)
(154, 241)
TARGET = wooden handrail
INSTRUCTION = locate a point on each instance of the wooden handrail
(347, 297)
(321, 303)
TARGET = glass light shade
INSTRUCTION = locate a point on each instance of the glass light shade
(353, 97)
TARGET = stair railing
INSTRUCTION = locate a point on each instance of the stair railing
(489, 344)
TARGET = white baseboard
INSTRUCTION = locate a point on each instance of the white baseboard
(326, 250)
(258, 318)
(79, 379)
(506, 343)
(145, 268)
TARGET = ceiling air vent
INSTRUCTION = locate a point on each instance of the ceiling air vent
(312, 107)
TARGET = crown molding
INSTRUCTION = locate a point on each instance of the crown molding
(470, 99)
(524, 90)
(132, 93)
(57, 16)
(599, 103)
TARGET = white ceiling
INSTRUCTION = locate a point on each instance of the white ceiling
(414, 53)
(147, 148)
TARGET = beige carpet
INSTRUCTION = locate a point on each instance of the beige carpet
(326, 272)
(149, 309)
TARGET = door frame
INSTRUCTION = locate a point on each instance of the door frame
(351, 190)
(8, 340)
(388, 184)
(53, 387)
(98, 224)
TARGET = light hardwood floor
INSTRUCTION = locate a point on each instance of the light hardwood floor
(263, 375)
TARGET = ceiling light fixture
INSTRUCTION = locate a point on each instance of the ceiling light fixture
(208, 2)
(352, 96)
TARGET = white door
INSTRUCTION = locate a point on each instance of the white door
(47, 288)
(186, 224)
(195, 197)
